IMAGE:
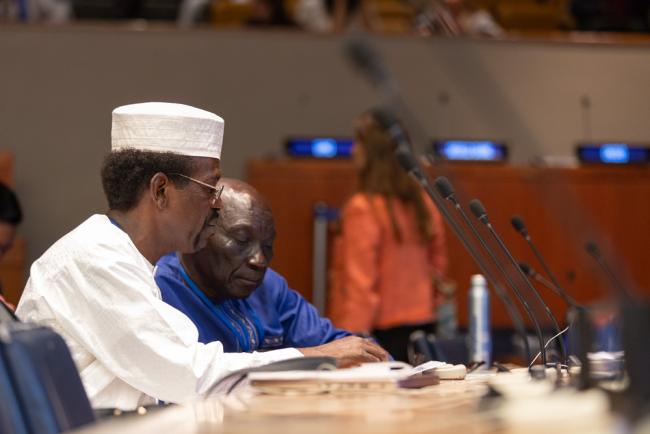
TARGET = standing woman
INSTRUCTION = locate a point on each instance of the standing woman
(391, 248)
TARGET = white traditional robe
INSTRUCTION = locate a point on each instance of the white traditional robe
(95, 288)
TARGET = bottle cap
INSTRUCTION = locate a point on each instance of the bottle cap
(478, 280)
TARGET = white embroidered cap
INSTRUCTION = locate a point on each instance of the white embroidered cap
(167, 127)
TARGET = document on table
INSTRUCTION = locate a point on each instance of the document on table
(385, 375)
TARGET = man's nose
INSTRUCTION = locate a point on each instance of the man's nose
(258, 259)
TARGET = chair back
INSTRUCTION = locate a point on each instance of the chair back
(41, 375)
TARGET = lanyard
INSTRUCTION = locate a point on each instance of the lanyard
(115, 223)
(242, 340)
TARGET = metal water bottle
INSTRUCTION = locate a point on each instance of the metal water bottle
(480, 338)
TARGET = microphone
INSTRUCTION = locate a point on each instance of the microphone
(480, 213)
(367, 61)
(593, 250)
(389, 122)
(446, 191)
(408, 162)
(365, 58)
(403, 153)
(532, 273)
(636, 318)
(518, 224)
(420, 345)
(520, 227)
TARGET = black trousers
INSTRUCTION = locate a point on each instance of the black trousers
(395, 339)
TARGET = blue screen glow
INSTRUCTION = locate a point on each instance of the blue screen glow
(321, 147)
(471, 150)
(613, 153)
(617, 153)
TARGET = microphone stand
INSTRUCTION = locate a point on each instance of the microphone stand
(446, 192)
(409, 164)
(530, 272)
(520, 227)
(595, 253)
(479, 211)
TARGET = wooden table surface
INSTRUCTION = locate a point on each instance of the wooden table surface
(453, 407)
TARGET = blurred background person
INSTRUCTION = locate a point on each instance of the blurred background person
(312, 15)
(611, 15)
(10, 217)
(390, 250)
(332, 15)
(472, 20)
(236, 13)
(269, 13)
(455, 18)
(49, 11)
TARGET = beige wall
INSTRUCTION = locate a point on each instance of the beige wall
(59, 86)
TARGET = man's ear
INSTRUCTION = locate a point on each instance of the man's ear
(159, 186)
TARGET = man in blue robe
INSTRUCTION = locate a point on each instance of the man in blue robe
(233, 297)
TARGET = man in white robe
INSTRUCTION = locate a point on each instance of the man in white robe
(95, 285)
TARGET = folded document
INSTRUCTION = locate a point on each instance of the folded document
(384, 375)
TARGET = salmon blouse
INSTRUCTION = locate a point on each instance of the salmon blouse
(377, 281)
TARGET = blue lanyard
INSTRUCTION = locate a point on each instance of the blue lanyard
(115, 223)
(242, 340)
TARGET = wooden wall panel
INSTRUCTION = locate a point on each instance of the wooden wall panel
(6, 168)
(12, 267)
(293, 190)
(12, 271)
(562, 208)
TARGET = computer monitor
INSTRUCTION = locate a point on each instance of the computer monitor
(613, 153)
(319, 147)
(470, 150)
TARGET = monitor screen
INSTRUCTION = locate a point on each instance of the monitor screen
(319, 147)
(613, 153)
(470, 150)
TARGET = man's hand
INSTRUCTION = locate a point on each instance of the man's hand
(349, 351)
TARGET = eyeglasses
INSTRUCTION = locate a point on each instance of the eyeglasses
(216, 191)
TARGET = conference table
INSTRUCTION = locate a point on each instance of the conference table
(453, 406)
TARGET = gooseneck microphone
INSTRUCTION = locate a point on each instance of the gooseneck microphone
(519, 226)
(389, 122)
(480, 213)
(408, 162)
(593, 250)
(403, 153)
(446, 190)
(533, 274)
(367, 61)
